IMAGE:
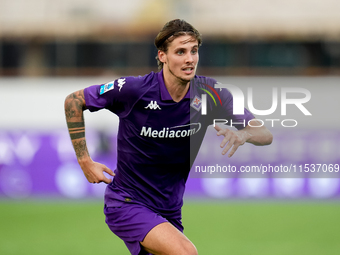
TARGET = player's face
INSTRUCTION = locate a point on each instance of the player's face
(180, 61)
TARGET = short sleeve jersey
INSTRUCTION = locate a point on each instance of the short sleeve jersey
(154, 154)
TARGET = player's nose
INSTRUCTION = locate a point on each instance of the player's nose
(189, 58)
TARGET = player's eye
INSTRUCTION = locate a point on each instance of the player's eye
(180, 52)
(194, 52)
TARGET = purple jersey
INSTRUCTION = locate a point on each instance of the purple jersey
(154, 149)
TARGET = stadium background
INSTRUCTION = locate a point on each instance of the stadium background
(49, 49)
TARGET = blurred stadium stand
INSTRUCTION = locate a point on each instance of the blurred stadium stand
(244, 37)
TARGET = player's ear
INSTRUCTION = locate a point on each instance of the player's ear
(162, 56)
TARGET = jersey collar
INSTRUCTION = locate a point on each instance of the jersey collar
(163, 90)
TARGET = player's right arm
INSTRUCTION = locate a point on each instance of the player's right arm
(74, 111)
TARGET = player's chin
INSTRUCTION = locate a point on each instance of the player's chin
(188, 77)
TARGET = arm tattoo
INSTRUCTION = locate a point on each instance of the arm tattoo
(75, 125)
(80, 148)
(76, 129)
(77, 135)
(74, 107)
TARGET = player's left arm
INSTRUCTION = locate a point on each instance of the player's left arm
(256, 134)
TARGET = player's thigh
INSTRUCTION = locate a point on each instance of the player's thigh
(166, 239)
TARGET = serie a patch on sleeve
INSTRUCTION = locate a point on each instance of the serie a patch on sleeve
(106, 87)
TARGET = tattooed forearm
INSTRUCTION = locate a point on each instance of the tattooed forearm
(75, 105)
(76, 129)
(77, 135)
(75, 125)
(80, 148)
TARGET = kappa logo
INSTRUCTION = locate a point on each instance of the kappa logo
(153, 106)
(121, 82)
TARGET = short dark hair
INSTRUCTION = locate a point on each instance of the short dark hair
(172, 30)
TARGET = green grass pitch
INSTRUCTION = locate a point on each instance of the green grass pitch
(215, 227)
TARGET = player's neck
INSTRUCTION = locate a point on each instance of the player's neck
(176, 87)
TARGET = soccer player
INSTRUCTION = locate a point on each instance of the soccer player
(159, 118)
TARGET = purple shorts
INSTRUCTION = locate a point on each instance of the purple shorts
(131, 222)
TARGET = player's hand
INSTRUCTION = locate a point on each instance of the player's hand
(94, 172)
(232, 139)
